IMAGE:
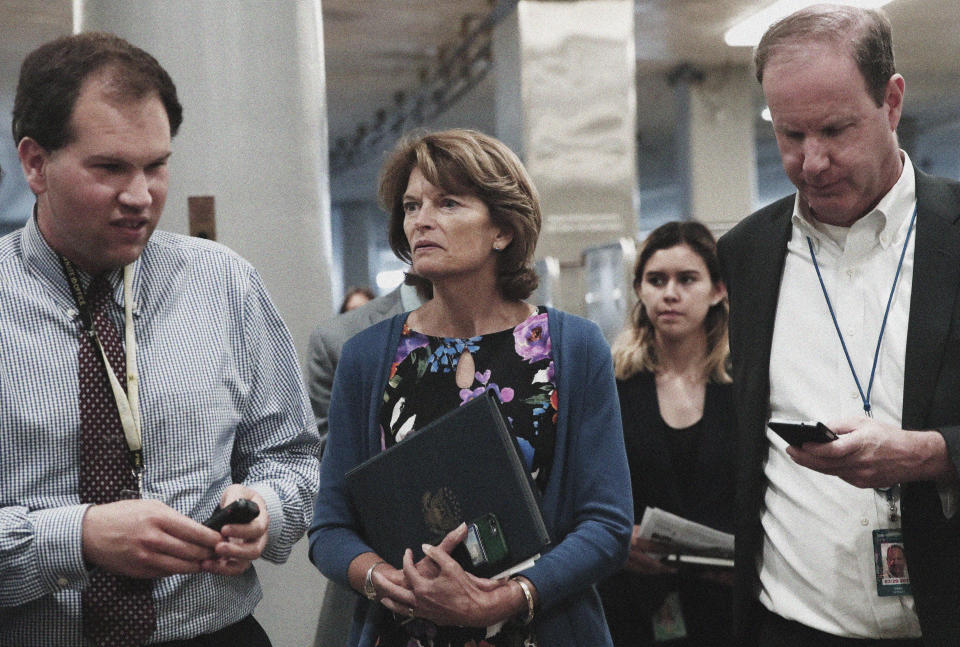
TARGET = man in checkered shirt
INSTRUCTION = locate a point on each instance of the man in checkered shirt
(223, 413)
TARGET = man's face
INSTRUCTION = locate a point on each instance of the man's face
(99, 197)
(837, 146)
(896, 562)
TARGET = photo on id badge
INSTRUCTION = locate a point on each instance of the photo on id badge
(893, 578)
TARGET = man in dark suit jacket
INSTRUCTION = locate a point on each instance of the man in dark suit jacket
(328, 338)
(810, 511)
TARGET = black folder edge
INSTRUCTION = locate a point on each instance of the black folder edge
(513, 451)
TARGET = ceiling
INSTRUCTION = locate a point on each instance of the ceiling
(375, 48)
(926, 44)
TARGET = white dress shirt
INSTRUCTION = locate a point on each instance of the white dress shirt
(817, 561)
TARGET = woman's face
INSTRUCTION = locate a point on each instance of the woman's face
(449, 235)
(676, 291)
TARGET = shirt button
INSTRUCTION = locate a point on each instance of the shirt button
(854, 395)
(62, 582)
(864, 522)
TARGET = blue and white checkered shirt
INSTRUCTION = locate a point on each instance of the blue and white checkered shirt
(221, 400)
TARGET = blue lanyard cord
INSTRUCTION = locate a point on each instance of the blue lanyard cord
(883, 326)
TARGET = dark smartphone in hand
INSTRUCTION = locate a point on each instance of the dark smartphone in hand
(240, 511)
(796, 433)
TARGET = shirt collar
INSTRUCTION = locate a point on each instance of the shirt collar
(887, 219)
(42, 260)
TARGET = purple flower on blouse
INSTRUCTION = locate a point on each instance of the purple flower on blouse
(470, 394)
(531, 339)
(504, 395)
(408, 344)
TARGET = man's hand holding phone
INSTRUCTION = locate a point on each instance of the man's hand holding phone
(242, 542)
(871, 454)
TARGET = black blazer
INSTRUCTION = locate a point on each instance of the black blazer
(752, 258)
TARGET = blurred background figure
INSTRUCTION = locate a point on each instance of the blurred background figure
(356, 297)
(466, 216)
(675, 397)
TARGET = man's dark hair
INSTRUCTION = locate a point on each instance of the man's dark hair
(53, 74)
(865, 33)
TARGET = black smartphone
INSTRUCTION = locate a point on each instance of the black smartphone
(240, 511)
(798, 432)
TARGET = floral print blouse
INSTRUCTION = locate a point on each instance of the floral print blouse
(517, 366)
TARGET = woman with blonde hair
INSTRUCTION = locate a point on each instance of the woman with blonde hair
(465, 215)
(676, 400)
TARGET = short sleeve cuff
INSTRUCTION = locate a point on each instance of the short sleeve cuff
(60, 547)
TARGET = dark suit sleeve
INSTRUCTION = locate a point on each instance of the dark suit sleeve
(322, 357)
(326, 344)
(951, 434)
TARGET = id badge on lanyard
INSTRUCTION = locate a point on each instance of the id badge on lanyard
(889, 556)
(890, 561)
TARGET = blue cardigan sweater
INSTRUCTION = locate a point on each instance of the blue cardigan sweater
(587, 505)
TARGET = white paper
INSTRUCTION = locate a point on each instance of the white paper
(684, 535)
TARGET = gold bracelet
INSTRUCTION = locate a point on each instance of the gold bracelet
(529, 596)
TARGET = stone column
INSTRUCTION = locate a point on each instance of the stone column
(250, 77)
(566, 102)
(717, 144)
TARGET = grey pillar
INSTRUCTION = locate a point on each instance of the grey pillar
(566, 102)
(717, 144)
(250, 77)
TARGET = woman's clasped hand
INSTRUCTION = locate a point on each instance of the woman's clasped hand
(436, 588)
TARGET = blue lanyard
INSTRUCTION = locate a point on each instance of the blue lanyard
(883, 326)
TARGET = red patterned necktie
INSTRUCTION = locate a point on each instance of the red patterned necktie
(117, 611)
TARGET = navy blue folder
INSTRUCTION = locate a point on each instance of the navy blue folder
(461, 467)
